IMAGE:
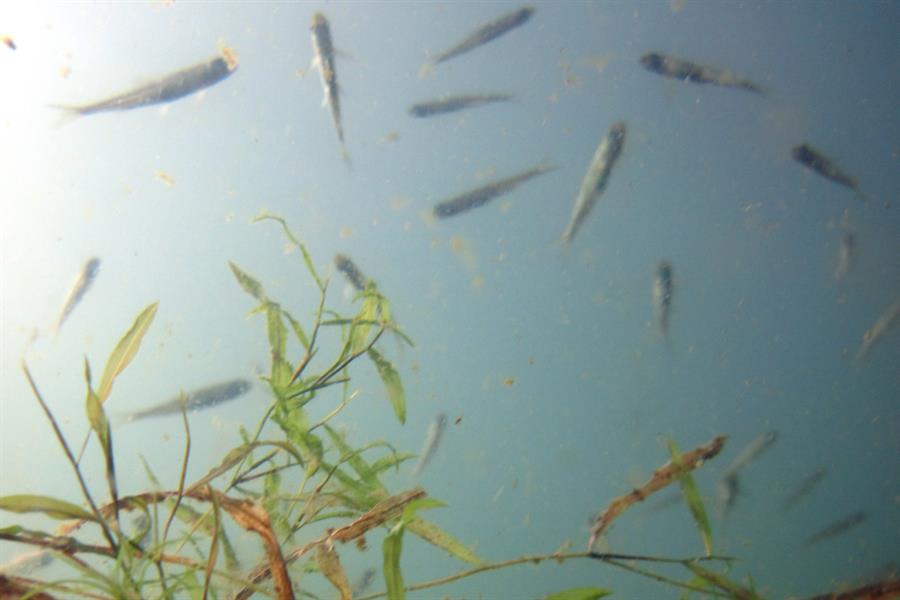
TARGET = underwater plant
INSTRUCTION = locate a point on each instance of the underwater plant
(179, 544)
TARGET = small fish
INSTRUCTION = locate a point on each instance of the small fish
(323, 59)
(596, 178)
(728, 488)
(79, 289)
(455, 103)
(845, 255)
(198, 399)
(432, 440)
(26, 563)
(363, 582)
(805, 487)
(169, 88)
(729, 485)
(8, 41)
(814, 160)
(478, 197)
(677, 68)
(663, 284)
(876, 331)
(837, 528)
(481, 36)
(346, 266)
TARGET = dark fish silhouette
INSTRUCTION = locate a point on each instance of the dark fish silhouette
(481, 36)
(323, 48)
(878, 329)
(677, 68)
(480, 196)
(596, 178)
(814, 160)
(172, 87)
(346, 266)
(729, 485)
(837, 528)
(198, 399)
(79, 289)
(805, 487)
(663, 285)
(432, 441)
(454, 103)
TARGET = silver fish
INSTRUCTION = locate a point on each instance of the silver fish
(323, 59)
(677, 68)
(596, 178)
(432, 440)
(480, 196)
(845, 255)
(817, 162)
(876, 331)
(481, 36)
(837, 528)
(172, 87)
(198, 399)
(450, 104)
(79, 288)
(663, 284)
(805, 487)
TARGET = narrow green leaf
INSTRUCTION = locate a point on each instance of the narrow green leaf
(235, 456)
(276, 330)
(125, 350)
(436, 536)
(362, 323)
(693, 499)
(248, 283)
(287, 232)
(356, 462)
(392, 384)
(723, 583)
(298, 329)
(100, 425)
(391, 461)
(585, 593)
(57, 509)
(393, 579)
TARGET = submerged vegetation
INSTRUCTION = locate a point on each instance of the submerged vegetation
(299, 487)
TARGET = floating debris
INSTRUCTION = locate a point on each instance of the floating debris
(845, 255)
(432, 441)
(172, 87)
(805, 487)
(79, 288)
(8, 41)
(346, 266)
(323, 49)
(663, 284)
(205, 397)
(814, 160)
(165, 178)
(451, 104)
(876, 331)
(596, 178)
(481, 36)
(480, 196)
(839, 527)
(685, 70)
(28, 562)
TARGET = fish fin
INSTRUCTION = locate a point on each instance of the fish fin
(68, 114)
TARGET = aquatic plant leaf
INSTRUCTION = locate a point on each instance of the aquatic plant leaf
(276, 330)
(436, 536)
(248, 283)
(393, 460)
(356, 462)
(393, 579)
(57, 509)
(392, 384)
(362, 323)
(586, 593)
(298, 329)
(19, 587)
(235, 456)
(386, 510)
(287, 232)
(693, 499)
(330, 565)
(722, 582)
(125, 351)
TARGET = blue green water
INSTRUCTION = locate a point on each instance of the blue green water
(550, 355)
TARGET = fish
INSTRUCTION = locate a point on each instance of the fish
(877, 331)
(28, 562)
(346, 266)
(729, 485)
(172, 87)
(432, 441)
(839, 527)
(678, 68)
(481, 36)
(596, 178)
(79, 288)
(8, 41)
(323, 59)
(662, 294)
(805, 487)
(449, 104)
(845, 255)
(815, 161)
(363, 582)
(480, 196)
(198, 399)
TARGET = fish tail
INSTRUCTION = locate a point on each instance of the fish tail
(68, 114)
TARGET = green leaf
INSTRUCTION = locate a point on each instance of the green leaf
(391, 461)
(248, 283)
(362, 323)
(276, 330)
(356, 462)
(125, 350)
(586, 593)
(57, 509)
(392, 384)
(436, 536)
(235, 456)
(693, 499)
(298, 329)
(287, 232)
(393, 579)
